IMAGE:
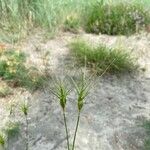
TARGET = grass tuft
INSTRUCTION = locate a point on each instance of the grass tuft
(116, 19)
(13, 69)
(146, 125)
(5, 91)
(12, 129)
(102, 59)
(2, 139)
(72, 23)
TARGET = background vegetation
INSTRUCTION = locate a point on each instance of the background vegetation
(146, 125)
(14, 70)
(102, 58)
(117, 19)
(18, 17)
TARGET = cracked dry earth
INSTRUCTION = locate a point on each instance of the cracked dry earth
(114, 109)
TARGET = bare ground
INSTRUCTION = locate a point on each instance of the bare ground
(114, 109)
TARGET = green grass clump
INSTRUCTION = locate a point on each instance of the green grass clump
(11, 64)
(116, 19)
(146, 125)
(2, 140)
(5, 91)
(102, 59)
(72, 23)
(147, 144)
(13, 69)
(12, 129)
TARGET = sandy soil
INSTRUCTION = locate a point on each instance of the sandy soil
(114, 108)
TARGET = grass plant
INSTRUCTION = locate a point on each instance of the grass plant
(2, 140)
(102, 58)
(24, 110)
(72, 23)
(82, 90)
(13, 70)
(116, 19)
(62, 94)
(146, 125)
(19, 17)
(12, 129)
(5, 91)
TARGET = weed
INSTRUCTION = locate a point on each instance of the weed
(12, 129)
(147, 144)
(5, 91)
(61, 93)
(32, 80)
(116, 19)
(2, 140)
(15, 72)
(146, 125)
(19, 17)
(102, 58)
(82, 90)
(11, 64)
(72, 23)
(24, 110)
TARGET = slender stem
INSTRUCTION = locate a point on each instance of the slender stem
(67, 135)
(74, 140)
(27, 133)
(7, 145)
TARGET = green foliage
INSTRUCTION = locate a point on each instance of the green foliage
(14, 70)
(61, 93)
(5, 91)
(116, 19)
(12, 129)
(25, 108)
(18, 17)
(147, 144)
(11, 64)
(21, 15)
(103, 59)
(72, 23)
(146, 125)
(2, 139)
(82, 89)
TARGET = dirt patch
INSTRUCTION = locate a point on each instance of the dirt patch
(114, 108)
